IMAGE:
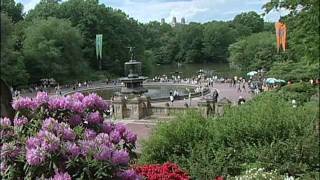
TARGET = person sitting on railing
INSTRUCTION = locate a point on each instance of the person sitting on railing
(171, 99)
(175, 94)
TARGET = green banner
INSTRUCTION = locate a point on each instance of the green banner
(99, 46)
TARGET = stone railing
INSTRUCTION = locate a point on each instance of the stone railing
(206, 108)
(169, 111)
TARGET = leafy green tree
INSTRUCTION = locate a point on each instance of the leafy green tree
(52, 49)
(295, 71)
(250, 19)
(13, 10)
(303, 38)
(160, 39)
(216, 40)
(44, 9)
(269, 26)
(153, 32)
(255, 51)
(119, 31)
(148, 62)
(12, 66)
(190, 40)
(242, 30)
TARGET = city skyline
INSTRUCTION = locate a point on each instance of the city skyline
(192, 10)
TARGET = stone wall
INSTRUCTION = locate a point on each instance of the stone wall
(169, 111)
(141, 108)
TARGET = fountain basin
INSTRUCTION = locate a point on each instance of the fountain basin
(157, 92)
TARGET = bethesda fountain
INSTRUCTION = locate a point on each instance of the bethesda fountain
(133, 83)
(131, 103)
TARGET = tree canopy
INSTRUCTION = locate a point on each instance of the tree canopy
(57, 39)
(13, 9)
(52, 49)
(254, 52)
(251, 20)
(301, 60)
(12, 64)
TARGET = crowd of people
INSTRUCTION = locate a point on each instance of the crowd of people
(50, 87)
(251, 84)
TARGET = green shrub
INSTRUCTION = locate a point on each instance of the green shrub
(301, 92)
(174, 139)
(265, 132)
(270, 132)
(302, 88)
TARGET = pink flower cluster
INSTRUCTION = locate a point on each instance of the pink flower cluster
(24, 103)
(5, 122)
(59, 138)
(60, 176)
(64, 129)
(76, 102)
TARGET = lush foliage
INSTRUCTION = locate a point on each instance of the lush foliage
(168, 171)
(12, 65)
(254, 52)
(301, 92)
(64, 137)
(56, 33)
(266, 132)
(198, 43)
(240, 41)
(250, 19)
(52, 48)
(217, 38)
(300, 61)
(175, 138)
(13, 9)
(295, 71)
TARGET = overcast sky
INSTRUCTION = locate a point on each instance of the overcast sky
(192, 10)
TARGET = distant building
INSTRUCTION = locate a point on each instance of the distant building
(183, 20)
(163, 21)
(174, 21)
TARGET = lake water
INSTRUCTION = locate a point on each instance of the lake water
(189, 70)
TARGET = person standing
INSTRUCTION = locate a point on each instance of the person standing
(244, 85)
(239, 86)
(171, 99)
(215, 95)
(175, 94)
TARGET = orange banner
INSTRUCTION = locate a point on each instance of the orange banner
(281, 33)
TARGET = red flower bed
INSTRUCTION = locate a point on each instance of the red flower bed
(166, 171)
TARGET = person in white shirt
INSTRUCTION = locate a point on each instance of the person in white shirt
(171, 99)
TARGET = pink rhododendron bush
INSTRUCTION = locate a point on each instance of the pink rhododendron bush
(65, 138)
